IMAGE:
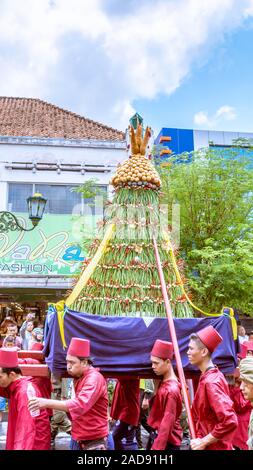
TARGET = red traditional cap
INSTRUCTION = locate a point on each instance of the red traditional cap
(162, 349)
(210, 337)
(243, 350)
(8, 357)
(79, 347)
(249, 345)
(36, 347)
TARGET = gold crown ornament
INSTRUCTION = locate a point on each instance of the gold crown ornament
(137, 172)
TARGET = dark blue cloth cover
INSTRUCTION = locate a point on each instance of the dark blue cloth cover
(122, 345)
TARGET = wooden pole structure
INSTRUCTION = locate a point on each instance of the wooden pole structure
(174, 341)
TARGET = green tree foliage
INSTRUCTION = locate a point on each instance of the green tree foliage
(225, 276)
(89, 189)
(214, 191)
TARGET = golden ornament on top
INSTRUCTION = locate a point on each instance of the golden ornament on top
(137, 171)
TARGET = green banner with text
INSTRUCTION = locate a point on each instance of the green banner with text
(53, 247)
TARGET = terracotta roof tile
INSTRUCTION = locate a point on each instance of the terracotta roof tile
(36, 118)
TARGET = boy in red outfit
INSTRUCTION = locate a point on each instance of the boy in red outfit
(88, 410)
(24, 431)
(212, 408)
(166, 405)
(125, 410)
(243, 409)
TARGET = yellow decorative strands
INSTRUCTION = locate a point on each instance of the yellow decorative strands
(59, 306)
(60, 309)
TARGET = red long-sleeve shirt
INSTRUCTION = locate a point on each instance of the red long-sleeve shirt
(88, 410)
(243, 409)
(25, 432)
(213, 411)
(165, 415)
(126, 401)
(44, 383)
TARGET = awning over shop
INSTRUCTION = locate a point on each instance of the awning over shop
(31, 294)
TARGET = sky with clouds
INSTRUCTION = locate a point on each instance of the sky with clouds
(179, 63)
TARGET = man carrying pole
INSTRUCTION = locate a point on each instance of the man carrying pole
(174, 340)
(88, 409)
(166, 406)
(246, 376)
(212, 408)
(26, 431)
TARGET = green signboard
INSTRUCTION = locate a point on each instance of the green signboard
(52, 248)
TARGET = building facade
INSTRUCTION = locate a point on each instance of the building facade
(176, 141)
(49, 150)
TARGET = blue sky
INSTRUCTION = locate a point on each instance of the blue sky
(179, 63)
(224, 80)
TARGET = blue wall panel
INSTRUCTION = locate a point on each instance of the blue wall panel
(185, 140)
(181, 139)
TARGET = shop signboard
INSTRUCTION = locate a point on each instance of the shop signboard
(54, 247)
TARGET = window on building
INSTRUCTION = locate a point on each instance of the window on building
(60, 198)
(18, 193)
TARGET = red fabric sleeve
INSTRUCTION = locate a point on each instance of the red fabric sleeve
(240, 404)
(167, 423)
(25, 430)
(222, 407)
(87, 397)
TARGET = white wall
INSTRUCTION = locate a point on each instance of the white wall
(106, 153)
(202, 138)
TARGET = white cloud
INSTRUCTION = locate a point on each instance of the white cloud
(224, 113)
(123, 109)
(97, 57)
(201, 118)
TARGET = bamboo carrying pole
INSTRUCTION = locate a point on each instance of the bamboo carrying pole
(174, 341)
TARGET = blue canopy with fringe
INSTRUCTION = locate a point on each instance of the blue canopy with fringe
(122, 345)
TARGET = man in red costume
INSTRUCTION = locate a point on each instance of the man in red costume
(125, 410)
(88, 410)
(24, 431)
(44, 383)
(246, 350)
(212, 408)
(166, 405)
(246, 376)
(243, 409)
(249, 348)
